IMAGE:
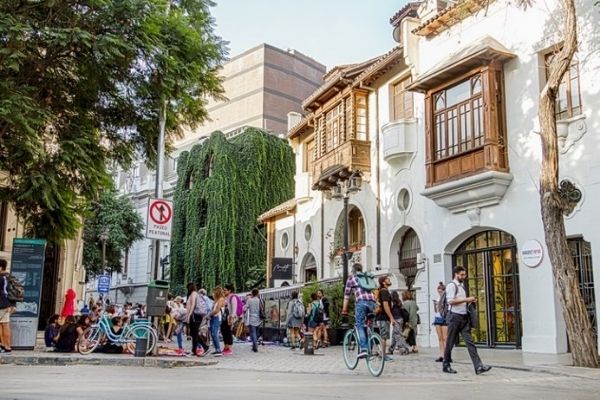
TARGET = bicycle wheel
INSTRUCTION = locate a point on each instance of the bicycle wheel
(89, 340)
(350, 349)
(376, 357)
(141, 332)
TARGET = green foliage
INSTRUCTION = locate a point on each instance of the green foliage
(82, 83)
(334, 291)
(115, 216)
(223, 187)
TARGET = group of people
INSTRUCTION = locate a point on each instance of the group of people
(455, 315)
(209, 318)
(314, 318)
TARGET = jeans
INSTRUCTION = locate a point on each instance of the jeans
(215, 325)
(458, 323)
(254, 336)
(363, 308)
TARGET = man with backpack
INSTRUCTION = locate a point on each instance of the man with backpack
(362, 284)
(384, 315)
(455, 304)
(234, 309)
(6, 308)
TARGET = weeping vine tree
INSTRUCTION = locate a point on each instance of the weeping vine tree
(223, 186)
(554, 201)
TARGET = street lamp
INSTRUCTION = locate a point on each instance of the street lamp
(343, 191)
(103, 238)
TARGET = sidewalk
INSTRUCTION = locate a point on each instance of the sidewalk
(272, 358)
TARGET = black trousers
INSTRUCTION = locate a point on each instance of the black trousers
(226, 332)
(459, 324)
(195, 321)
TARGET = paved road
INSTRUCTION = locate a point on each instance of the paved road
(116, 383)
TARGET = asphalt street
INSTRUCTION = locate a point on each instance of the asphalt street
(116, 383)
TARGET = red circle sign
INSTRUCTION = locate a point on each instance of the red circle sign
(160, 212)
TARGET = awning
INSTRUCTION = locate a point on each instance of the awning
(474, 55)
(284, 292)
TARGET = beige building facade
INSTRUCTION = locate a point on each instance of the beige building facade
(62, 268)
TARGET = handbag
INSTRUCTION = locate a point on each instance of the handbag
(472, 314)
(418, 319)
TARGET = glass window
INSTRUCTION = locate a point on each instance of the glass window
(356, 228)
(361, 117)
(458, 118)
(333, 124)
(568, 100)
(402, 100)
(285, 240)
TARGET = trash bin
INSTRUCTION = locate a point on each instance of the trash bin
(156, 301)
(309, 349)
(141, 344)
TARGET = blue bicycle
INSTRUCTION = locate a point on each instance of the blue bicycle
(375, 351)
(99, 333)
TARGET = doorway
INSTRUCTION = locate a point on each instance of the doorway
(493, 277)
(49, 284)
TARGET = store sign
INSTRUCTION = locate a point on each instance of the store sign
(27, 265)
(159, 219)
(282, 268)
(532, 253)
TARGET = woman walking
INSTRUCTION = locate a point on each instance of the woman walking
(399, 314)
(216, 315)
(413, 318)
(295, 317)
(253, 306)
(441, 327)
(196, 310)
(6, 309)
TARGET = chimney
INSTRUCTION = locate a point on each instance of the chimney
(294, 119)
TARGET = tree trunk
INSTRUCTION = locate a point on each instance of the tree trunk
(579, 329)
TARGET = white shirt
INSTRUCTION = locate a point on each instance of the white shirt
(452, 293)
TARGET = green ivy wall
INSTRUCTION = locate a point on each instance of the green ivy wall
(223, 186)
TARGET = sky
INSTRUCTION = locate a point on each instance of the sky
(332, 32)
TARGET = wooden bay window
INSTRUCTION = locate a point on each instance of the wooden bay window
(465, 125)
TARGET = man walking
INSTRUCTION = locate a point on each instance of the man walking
(6, 308)
(459, 322)
(384, 315)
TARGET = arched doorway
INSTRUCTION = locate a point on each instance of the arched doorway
(410, 247)
(309, 268)
(490, 258)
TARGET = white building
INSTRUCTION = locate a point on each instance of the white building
(444, 130)
(261, 85)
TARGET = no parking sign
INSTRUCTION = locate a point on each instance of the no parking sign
(159, 219)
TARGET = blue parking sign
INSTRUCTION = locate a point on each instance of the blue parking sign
(104, 284)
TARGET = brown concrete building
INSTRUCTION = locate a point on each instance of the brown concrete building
(262, 85)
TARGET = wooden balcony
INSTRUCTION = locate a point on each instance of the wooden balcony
(352, 155)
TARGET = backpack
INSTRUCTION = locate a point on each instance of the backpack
(15, 289)
(378, 306)
(316, 314)
(366, 281)
(298, 310)
(442, 305)
(239, 304)
(209, 303)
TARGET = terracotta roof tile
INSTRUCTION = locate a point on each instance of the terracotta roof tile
(278, 210)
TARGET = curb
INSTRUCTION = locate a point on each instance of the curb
(541, 369)
(104, 361)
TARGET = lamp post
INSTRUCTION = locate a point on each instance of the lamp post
(103, 238)
(343, 191)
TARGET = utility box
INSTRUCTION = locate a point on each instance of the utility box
(156, 302)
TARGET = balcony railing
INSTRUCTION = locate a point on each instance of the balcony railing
(353, 154)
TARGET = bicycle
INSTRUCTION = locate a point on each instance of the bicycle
(375, 352)
(97, 333)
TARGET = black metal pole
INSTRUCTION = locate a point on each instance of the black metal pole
(346, 246)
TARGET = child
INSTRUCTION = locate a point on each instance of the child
(178, 314)
(51, 332)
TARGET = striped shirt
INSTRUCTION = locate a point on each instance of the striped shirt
(359, 293)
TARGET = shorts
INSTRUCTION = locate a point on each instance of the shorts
(5, 315)
(312, 324)
(440, 321)
(384, 329)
